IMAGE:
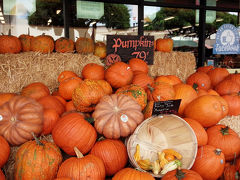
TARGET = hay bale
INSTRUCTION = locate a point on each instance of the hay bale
(181, 64)
(19, 70)
(233, 122)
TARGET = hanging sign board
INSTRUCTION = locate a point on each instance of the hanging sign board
(128, 47)
(166, 107)
(227, 40)
(90, 10)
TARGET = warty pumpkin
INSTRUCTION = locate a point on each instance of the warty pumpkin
(119, 74)
(117, 115)
(4, 151)
(72, 130)
(89, 167)
(64, 45)
(87, 95)
(132, 174)
(224, 138)
(182, 174)
(37, 160)
(43, 43)
(84, 45)
(136, 92)
(19, 117)
(25, 40)
(35, 90)
(113, 153)
(209, 162)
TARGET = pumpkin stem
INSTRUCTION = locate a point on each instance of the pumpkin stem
(224, 131)
(179, 174)
(236, 72)
(150, 88)
(9, 32)
(89, 119)
(218, 151)
(101, 138)
(78, 153)
(37, 140)
(195, 87)
(28, 31)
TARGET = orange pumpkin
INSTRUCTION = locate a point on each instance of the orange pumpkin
(72, 130)
(61, 99)
(93, 71)
(43, 43)
(204, 69)
(64, 45)
(200, 132)
(65, 75)
(201, 79)
(5, 97)
(84, 45)
(113, 153)
(25, 40)
(226, 139)
(208, 110)
(117, 116)
(147, 112)
(235, 77)
(63, 178)
(209, 162)
(4, 151)
(50, 118)
(9, 44)
(51, 102)
(170, 79)
(67, 87)
(227, 86)
(137, 64)
(105, 86)
(86, 167)
(186, 93)
(217, 75)
(39, 159)
(132, 174)
(100, 50)
(233, 101)
(160, 92)
(119, 74)
(15, 125)
(2, 176)
(70, 106)
(182, 174)
(136, 92)
(230, 172)
(142, 79)
(164, 45)
(35, 90)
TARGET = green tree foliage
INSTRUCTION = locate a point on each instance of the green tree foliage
(116, 16)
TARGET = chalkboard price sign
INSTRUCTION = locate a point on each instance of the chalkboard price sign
(166, 107)
(128, 47)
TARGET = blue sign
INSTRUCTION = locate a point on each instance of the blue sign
(227, 40)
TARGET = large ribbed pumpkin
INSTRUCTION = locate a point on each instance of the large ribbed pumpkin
(119, 74)
(136, 92)
(200, 132)
(132, 174)
(72, 130)
(37, 160)
(117, 116)
(89, 167)
(182, 174)
(208, 110)
(84, 45)
(4, 151)
(113, 153)
(209, 162)
(19, 117)
(224, 138)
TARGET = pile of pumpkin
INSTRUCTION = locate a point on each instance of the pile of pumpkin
(111, 103)
(46, 44)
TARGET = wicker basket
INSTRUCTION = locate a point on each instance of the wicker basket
(161, 132)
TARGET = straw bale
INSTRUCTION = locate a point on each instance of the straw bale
(233, 122)
(181, 64)
(19, 70)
